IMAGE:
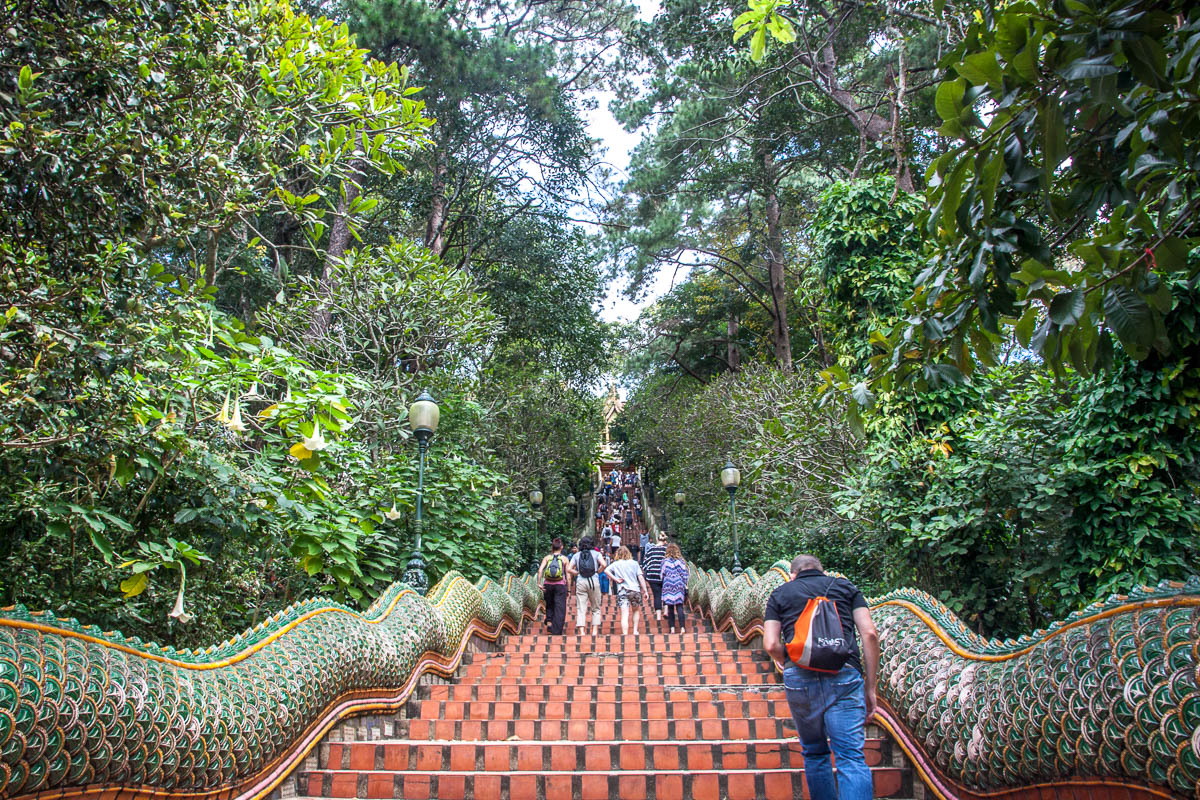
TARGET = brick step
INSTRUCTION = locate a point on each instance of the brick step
(732, 678)
(681, 712)
(618, 670)
(614, 634)
(616, 642)
(693, 627)
(644, 644)
(781, 784)
(583, 730)
(596, 756)
(579, 730)
(610, 612)
(628, 659)
(647, 622)
(541, 692)
(690, 635)
(612, 627)
(611, 616)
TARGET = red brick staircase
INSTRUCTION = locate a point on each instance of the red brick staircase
(658, 715)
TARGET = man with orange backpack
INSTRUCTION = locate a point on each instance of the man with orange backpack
(809, 626)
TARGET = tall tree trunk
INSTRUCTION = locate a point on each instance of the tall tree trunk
(781, 334)
(733, 354)
(210, 260)
(903, 172)
(339, 240)
(339, 234)
(435, 225)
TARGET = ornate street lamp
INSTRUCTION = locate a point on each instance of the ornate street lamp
(572, 504)
(731, 476)
(423, 417)
(680, 497)
(535, 500)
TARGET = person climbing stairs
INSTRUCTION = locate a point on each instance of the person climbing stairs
(558, 717)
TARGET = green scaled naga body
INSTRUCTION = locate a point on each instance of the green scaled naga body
(83, 711)
(1103, 704)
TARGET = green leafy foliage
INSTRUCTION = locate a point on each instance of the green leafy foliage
(868, 253)
(1066, 200)
(172, 417)
(1014, 497)
(505, 81)
(1040, 496)
(763, 17)
(792, 453)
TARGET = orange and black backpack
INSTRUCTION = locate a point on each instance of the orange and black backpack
(818, 641)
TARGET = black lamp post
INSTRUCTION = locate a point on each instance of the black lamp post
(535, 500)
(680, 498)
(572, 505)
(731, 476)
(423, 417)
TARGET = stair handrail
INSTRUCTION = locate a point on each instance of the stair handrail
(85, 711)
(651, 521)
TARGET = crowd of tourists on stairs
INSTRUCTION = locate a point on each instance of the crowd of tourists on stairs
(619, 513)
(639, 571)
(811, 628)
(658, 580)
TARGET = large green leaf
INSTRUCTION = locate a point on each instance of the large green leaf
(1067, 307)
(982, 69)
(1091, 67)
(135, 584)
(948, 99)
(1172, 254)
(1130, 318)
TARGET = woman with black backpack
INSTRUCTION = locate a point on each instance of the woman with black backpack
(584, 567)
(552, 577)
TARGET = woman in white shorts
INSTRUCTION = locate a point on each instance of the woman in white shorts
(632, 587)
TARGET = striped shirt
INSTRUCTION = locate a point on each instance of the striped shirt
(652, 561)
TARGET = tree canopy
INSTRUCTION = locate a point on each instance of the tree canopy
(985, 219)
(933, 288)
(219, 304)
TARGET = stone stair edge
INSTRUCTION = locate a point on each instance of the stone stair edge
(530, 654)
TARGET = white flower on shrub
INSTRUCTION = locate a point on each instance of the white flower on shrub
(316, 442)
(235, 423)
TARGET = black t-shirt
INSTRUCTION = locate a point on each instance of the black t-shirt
(788, 601)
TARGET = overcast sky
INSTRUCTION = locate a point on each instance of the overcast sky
(618, 144)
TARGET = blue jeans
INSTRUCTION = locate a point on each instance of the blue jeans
(830, 713)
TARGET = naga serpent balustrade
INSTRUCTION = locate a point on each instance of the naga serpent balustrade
(1103, 704)
(85, 712)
